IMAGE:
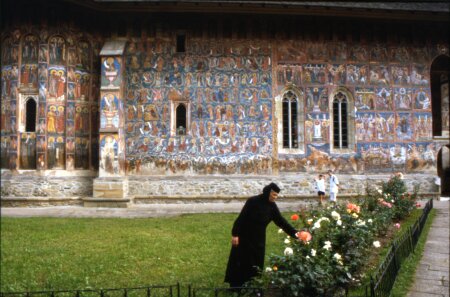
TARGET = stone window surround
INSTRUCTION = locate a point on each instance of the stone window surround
(351, 114)
(23, 99)
(300, 120)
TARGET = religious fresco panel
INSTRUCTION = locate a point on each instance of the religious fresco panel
(111, 74)
(57, 50)
(57, 84)
(43, 53)
(109, 145)
(55, 152)
(400, 75)
(384, 99)
(357, 74)
(318, 73)
(30, 48)
(378, 53)
(4, 148)
(379, 75)
(375, 126)
(382, 157)
(316, 99)
(421, 99)
(110, 106)
(29, 76)
(423, 126)
(27, 151)
(13, 152)
(317, 128)
(399, 54)
(403, 98)
(420, 75)
(404, 126)
(421, 157)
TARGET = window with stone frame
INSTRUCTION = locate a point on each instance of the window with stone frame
(290, 120)
(342, 119)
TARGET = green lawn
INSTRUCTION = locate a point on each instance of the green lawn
(73, 253)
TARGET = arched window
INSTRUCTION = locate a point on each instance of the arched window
(340, 121)
(181, 124)
(290, 127)
(30, 117)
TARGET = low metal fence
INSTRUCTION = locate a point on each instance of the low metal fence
(383, 280)
(149, 291)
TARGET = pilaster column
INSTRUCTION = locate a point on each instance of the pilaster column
(111, 187)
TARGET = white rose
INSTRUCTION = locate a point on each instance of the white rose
(376, 244)
(288, 251)
(337, 256)
(287, 241)
(313, 252)
(339, 222)
(335, 215)
(268, 269)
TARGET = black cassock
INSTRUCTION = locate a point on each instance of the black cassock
(250, 226)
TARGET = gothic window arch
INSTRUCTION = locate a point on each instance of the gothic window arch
(290, 118)
(342, 122)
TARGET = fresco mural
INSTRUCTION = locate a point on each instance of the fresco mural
(59, 69)
(228, 87)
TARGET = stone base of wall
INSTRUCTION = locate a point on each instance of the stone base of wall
(45, 188)
(146, 189)
(40, 201)
(107, 202)
(61, 188)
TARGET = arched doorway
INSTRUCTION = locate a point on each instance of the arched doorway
(439, 75)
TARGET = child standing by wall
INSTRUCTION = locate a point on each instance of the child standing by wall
(320, 187)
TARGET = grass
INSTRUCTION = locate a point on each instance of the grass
(75, 253)
(405, 278)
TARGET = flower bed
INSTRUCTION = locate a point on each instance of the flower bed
(335, 242)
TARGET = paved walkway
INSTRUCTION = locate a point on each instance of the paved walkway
(432, 274)
(135, 211)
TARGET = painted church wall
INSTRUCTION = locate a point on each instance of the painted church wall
(390, 85)
(58, 72)
(230, 86)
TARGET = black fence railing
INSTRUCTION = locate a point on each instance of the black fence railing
(149, 291)
(383, 280)
(380, 285)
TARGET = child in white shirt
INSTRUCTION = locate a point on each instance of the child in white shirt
(320, 187)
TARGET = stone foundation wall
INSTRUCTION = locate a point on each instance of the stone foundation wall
(32, 188)
(27, 189)
(293, 186)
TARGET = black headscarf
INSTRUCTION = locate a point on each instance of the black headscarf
(270, 187)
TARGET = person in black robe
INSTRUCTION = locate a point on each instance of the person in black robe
(249, 236)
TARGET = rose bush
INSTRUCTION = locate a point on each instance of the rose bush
(334, 243)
